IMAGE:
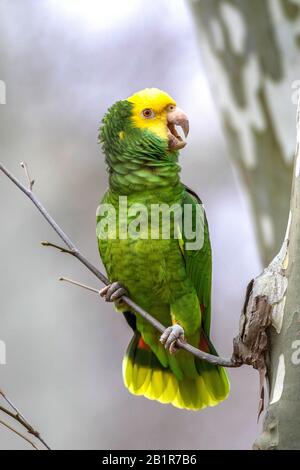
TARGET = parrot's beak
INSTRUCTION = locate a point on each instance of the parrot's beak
(177, 117)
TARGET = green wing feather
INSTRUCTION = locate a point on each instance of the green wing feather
(199, 262)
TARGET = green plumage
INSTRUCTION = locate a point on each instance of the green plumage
(161, 275)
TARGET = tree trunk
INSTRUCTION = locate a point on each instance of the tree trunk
(251, 51)
(281, 429)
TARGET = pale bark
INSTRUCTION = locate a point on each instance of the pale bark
(281, 429)
(251, 52)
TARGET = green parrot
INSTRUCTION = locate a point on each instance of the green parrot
(170, 281)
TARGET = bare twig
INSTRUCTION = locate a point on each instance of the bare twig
(196, 352)
(30, 181)
(76, 283)
(20, 418)
(58, 247)
(19, 434)
(77, 254)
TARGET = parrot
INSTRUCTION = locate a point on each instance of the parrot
(141, 145)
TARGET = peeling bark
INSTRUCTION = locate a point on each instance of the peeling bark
(281, 429)
(263, 308)
(251, 51)
(251, 345)
(269, 337)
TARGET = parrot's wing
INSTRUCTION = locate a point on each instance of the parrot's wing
(102, 246)
(199, 261)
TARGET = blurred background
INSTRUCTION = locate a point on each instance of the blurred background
(64, 62)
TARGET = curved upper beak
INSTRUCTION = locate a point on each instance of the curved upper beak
(177, 118)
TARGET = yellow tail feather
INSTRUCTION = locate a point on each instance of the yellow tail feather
(144, 375)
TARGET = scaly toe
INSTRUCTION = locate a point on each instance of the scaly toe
(170, 336)
(113, 292)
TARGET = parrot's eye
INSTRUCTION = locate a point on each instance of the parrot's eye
(148, 113)
(171, 107)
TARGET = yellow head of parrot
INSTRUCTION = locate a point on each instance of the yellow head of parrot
(155, 110)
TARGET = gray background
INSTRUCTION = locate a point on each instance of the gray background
(64, 62)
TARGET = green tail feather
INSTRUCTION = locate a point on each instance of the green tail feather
(144, 375)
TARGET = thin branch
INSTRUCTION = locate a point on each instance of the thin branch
(30, 181)
(19, 434)
(196, 352)
(20, 418)
(58, 247)
(17, 418)
(216, 360)
(76, 283)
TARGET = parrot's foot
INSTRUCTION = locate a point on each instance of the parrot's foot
(170, 336)
(113, 292)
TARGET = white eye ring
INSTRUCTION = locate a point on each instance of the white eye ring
(148, 113)
(171, 107)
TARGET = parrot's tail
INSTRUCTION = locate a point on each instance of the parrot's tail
(144, 375)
